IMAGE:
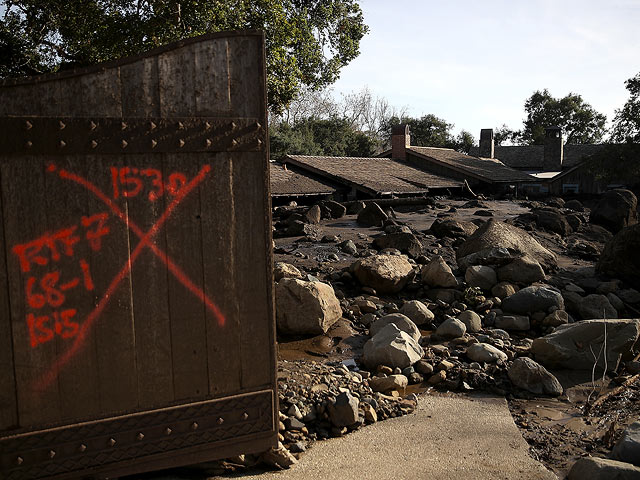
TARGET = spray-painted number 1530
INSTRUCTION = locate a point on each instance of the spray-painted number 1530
(130, 182)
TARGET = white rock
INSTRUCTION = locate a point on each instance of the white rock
(451, 328)
(438, 274)
(481, 276)
(418, 312)
(305, 307)
(485, 353)
(392, 347)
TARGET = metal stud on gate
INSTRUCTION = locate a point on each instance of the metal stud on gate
(245, 416)
(94, 144)
(61, 125)
(123, 126)
(111, 442)
(52, 454)
(181, 143)
(140, 436)
(82, 448)
(62, 144)
(208, 142)
(28, 126)
(152, 126)
(93, 126)
(29, 144)
(167, 431)
(124, 144)
(194, 426)
(220, 421)
(19, 460)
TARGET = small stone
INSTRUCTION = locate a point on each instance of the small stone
(370, 415)
(387, 384)
(438, 274)
(472, 321)
(503, 290)
(533, 377)
(417, 312)
(437, 378)
(513, 322)
(451, 328)
(423, 367)
(556, 318)
(481, 276)
(344, 411)
(444, 365)
(285, 270)
(485, 353)
(278, 457)
(348, 247)
(628, 447)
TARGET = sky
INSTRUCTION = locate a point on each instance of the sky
(474, 63)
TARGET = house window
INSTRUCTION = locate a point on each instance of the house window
(570, 188)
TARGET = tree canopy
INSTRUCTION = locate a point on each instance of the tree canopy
(432, 131)
(332, 137)
(626, 123)
(307, 41)
(579, 121)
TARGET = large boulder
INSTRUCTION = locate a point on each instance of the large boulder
(335, 209)
(536, 298)
(305, 307)
(552, 220)
(452, 227)
(576, 345)
(371, 215)
(494, 233)
(384, 273)
(437, 273)
(615, 210)
(533, 377)
(392, 347)
(405, 242)
(628, 447)
(524, 270)
(595, 468)
(399, 320)
(595, 306)
(620, 257)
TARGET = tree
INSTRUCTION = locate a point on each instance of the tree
(312, 136)
(626, 123)
(431, 131)
(308, 42)
(580, 122)
(505, 135)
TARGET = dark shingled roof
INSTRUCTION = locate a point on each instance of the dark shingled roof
(288, 183)
(531, 157)
(378, 176)
(486, 169)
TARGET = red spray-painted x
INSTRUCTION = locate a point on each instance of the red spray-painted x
(146, 241)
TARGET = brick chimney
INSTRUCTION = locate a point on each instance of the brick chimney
(400, 140)
(486, 143)
(553, 149)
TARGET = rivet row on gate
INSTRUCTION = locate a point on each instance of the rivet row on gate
(139, 437)
(208, 142)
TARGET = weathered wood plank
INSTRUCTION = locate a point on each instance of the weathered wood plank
(23, 190)
(252, 268)
(139, 86)
(176, 83)
(114, 327)
(187, 310)
(212, 80)
(8, 399)
(245, 68)
(71, 286)
(219, 256)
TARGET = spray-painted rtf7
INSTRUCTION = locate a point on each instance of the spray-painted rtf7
(136, 312)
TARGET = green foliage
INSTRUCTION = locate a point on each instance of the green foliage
(308, 41)
(626, 124)
(505, 135)
(616, 163)
(579, 121)
(331, 137)
(431, 131)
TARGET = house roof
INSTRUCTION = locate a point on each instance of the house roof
(531, 157)
(377, 176)
(486, 169)
(287, 183)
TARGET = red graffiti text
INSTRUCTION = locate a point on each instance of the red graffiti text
(130, 182)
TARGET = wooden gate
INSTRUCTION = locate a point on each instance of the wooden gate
(136, 306)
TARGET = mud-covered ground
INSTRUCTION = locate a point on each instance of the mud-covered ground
(559, 430)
